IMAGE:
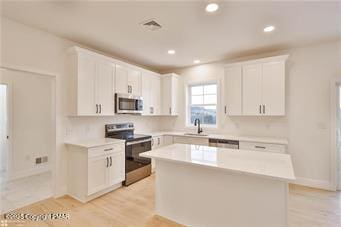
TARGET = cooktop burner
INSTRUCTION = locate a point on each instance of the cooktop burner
(123, 131)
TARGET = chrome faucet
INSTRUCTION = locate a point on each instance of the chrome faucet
(197, 122)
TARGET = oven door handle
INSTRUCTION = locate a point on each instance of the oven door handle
(139, 141)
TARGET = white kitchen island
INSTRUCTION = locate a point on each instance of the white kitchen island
(213, 187)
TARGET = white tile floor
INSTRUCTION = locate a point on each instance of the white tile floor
(22, 192)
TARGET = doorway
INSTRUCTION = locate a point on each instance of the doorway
(4, 133)
(27, 143)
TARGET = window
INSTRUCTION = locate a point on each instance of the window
(203, 103)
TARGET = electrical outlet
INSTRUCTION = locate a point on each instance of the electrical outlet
(44, 159)
(38, 160)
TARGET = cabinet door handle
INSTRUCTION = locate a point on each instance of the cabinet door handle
(109, 149)
(225, 110)
(110, 161)
(158, 141)
(263, 109)
(170, 110)
(96, 108)
(131, 89)
(152, 141)
(260, 147)
(107, 162)
(260, 109)
(100, 108)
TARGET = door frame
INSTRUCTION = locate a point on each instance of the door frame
(334, 156)
(9, 125)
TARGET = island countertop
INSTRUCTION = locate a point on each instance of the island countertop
(270, 165)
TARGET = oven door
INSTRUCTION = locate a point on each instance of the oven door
(133, 150)
(125, 103)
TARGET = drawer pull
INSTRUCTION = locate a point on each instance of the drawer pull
(109, 149)
(260, 147)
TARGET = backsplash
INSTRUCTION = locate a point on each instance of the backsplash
(93, 127)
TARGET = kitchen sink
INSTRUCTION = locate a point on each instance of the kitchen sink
(194, 134)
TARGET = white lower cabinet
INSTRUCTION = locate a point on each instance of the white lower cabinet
(95, 171)
(190, 140)
(160, 141)
(267, 147)
(97, 174)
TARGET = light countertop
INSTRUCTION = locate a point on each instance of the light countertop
(256, 139)
(270, 165)
(89, 143)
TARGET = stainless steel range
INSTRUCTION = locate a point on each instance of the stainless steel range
(136, 167)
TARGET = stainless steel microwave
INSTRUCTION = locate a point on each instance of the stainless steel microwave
(128, 104)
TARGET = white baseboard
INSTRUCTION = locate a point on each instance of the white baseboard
(326, 185)
(28, 172)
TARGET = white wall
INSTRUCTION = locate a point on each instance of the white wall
(307, 122)
(29, 48)
(32, 119)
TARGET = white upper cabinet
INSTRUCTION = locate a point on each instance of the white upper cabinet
(233, 91)
(170, 94)
(93, 84)
(252, 89)
(273, 88)
(256, 88)
(85, 73)
(128, 80)
(151, 94)
(105, 72)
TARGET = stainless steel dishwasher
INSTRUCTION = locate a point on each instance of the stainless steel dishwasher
(231, 144)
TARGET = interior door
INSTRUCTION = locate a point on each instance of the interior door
(86, 85)
(252, 89)
(273, 88)
(233, 91)
(121, 79)
(117, 168)
(97, 174)
(104, 88)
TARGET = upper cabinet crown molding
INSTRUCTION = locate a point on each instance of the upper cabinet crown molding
(258, 61)
(80, 50)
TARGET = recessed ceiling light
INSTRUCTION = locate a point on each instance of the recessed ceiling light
(196, 61)
(269, 28)
(171, 51)
(212, 7)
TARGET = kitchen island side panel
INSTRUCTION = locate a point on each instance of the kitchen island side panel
(196, 196)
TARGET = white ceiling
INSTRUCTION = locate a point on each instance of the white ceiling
(234, 31)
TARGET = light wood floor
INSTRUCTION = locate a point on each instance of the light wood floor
(134, 206)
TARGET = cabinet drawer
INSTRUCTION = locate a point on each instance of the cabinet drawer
(105, 150)
(277, 148)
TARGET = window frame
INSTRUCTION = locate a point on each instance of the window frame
(189, 103)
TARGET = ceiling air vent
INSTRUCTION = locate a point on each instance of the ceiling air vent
(151, 25)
